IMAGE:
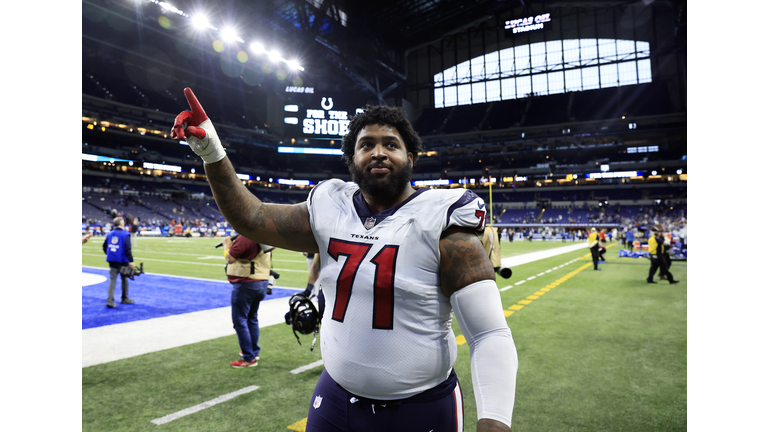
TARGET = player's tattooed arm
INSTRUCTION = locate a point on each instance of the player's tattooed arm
(463, 260)
(283, 226)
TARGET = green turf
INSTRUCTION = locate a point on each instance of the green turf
(601, 351)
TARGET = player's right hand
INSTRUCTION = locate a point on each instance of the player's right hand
(197, 129)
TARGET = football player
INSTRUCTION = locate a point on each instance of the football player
(395, 262)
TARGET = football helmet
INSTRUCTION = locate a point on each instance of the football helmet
(303, 317)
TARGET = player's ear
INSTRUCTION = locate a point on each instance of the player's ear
(410, 157)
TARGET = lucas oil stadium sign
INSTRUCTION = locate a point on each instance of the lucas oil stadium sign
(530, 23)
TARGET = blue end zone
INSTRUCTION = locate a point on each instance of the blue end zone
(156, 296)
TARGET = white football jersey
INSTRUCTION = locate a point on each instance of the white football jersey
(386, 331)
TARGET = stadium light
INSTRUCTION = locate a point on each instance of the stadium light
(274, 55)
(228, 34)
(257, 47)
(200, 22)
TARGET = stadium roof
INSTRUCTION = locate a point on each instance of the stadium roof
(363, 42)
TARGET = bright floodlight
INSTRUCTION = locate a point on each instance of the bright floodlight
(200, 22)
(274, 55)
(257, 47)
(293, 64)
(228, 34)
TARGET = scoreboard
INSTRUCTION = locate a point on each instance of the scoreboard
(308, 113)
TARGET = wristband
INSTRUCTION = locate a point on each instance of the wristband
(226, 251)
(209, 148)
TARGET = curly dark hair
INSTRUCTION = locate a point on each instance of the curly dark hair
(381, 115)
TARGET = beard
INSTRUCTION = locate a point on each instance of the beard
(376, 185)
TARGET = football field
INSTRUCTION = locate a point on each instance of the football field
(598, 351)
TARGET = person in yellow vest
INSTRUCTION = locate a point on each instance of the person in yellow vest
(594, 246)
(248, 265)
(493, 249)
(655, 248)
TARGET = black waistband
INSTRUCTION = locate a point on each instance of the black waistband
(437, 392)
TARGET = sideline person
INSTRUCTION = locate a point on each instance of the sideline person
(655, 249)
(248, 271)
(395, 263)
(594, 247)
(117, 246)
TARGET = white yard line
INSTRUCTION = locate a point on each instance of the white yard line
(202, 406)
(535, 256)
(307, 367)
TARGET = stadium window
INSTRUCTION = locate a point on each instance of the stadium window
(573, 80)
(625, 49)
(539, 83)
(627, 73)
(523, 85)
(555, 82)
(590, 78)
(588, 49)
(571, 52)
(439, 98)
(643, 49)
(508, 89)
(522, 60)
(538, 57)
(643, 71)
(612, 62)
(439, 80)
(492, 65)
(609, 76)
(507, 61)
(554, 55)
(607, 50)
(450, 96)
(493, 90)
(464, 94)
(450, 75)
(478, 70)
(478, 92)
(463, 73)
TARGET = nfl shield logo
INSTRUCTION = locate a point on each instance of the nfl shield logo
(370, 222)
(318, 401)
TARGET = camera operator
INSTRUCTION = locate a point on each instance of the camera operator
(117, 246)
(247, 270)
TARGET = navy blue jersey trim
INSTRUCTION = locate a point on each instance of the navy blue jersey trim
(363, 212)
(465, 199)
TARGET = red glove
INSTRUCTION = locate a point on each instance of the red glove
(197, 129)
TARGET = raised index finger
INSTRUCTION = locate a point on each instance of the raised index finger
(198, 113)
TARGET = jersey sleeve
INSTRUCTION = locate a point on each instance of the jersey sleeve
(322, 200)
(468, 211)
